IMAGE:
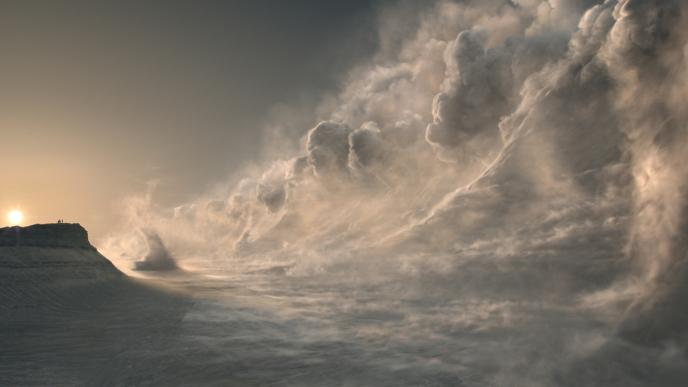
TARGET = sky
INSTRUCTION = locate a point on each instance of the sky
(98, 99)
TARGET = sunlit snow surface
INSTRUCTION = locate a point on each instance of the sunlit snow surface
(269, 327)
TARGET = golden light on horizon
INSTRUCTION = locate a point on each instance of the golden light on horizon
(15, 217)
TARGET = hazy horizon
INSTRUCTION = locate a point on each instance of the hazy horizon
(101, 99)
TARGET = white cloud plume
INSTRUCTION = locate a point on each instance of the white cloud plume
(527, 154)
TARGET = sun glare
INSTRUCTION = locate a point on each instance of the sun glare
(15, 217)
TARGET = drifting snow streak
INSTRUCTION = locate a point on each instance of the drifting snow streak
(516, 168)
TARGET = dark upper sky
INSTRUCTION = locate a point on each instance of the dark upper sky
(97, 98)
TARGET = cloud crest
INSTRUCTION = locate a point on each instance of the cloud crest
(521, 153)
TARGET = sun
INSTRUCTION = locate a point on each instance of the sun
(15, 217)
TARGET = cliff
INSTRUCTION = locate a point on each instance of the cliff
(63, 235)
(49, 254)
(69, 317)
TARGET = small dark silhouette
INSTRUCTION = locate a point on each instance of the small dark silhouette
(60, 221)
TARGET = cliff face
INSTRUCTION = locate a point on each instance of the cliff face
(48, 255)
(63, 235)
(69, 317)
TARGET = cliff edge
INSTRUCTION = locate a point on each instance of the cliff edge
(63, 235)
(49, 255)
(69, 317)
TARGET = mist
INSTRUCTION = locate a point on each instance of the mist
(496, 197)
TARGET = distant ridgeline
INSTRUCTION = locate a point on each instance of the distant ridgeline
(48, 255)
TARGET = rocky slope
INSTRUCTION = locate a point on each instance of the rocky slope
(49, 255)
(69, 317)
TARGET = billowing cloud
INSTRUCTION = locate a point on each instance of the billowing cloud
(328, 147)
(525, 158)
(157, 257)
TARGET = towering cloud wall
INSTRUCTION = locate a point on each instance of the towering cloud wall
(534, 149)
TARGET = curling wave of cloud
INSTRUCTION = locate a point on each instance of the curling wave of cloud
(518, 152)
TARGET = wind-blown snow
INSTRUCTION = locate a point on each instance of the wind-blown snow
(508, 181)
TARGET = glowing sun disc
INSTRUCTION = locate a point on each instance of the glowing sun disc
(15, 217)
